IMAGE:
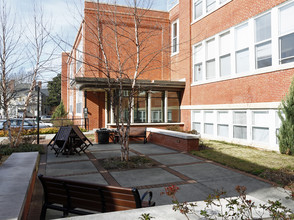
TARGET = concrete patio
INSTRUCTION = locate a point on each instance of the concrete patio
(196, 177)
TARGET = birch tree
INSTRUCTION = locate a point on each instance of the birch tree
(123, 56)
(10, 58)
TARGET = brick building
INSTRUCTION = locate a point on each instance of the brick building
(234, 57)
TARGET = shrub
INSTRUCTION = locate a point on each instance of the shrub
(6, 150)
(286, 114)
(59, 112)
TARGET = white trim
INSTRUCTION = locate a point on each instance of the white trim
(178, 37)
(174, 133)
(261, 105)
(275, 50)
(204, 13)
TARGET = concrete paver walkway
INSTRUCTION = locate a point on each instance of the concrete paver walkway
(196, 177)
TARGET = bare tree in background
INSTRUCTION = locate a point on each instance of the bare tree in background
(39, 54)
(10, 58)
(123, 53)
(14, 46)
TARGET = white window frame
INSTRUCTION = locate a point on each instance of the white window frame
(175, 44)
(241, 125)
(223, 55)
(79, 101)
(265, 41)
(218, 4)
(222, 124)
(210, 59)
(79, 55)
(253, 70)
(198, 61)
(264, 125)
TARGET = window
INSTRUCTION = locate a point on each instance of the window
(242, 49)
(210, 5)
(79, 97)
(260, 126)
(79, 56)
(71, 103)
(240, 125)
(210, 59)
(157, 106)
(198, 56)
(173, 106)
(263, 51)
(175, 37)
(202, 8)
(208, 122)
(198, 9)
(140, 107)
(223, 123)
(196, 124)
(286, 34)
(225, 56)
(278, 124)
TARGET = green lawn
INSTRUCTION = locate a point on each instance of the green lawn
(266, 164)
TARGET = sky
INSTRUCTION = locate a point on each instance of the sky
(59, 13)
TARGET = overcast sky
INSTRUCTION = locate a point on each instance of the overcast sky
(60, 14)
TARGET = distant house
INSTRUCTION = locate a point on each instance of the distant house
(17, 104)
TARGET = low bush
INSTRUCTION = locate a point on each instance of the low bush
(6, 150)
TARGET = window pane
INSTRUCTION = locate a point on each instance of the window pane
(175, 34)
(208, 116)
(287, 48)
(198, 72)
(196, 116)
(260, 118)
(225, 43)
(198, 54)
(260, 134)
(210, 5)
(157, 105)
(264, 55)
(140, 108)
(223, 130)
(208, 128)
(210, 69)
(263, 28)
(173, 107)
(242, 39)
(210, 46)
(225, 65)
(240, 118)
(240, 132)
(196, 126)
(198, 10)
(287, 19)
(242, 61)
(223, 118)
(174, 45)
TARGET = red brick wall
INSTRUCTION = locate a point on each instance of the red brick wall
(174, 142)
(153, 34)
(64, 79)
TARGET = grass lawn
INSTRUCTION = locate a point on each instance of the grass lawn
(269, 165)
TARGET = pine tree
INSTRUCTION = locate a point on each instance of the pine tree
(286, 114)
(59, 111)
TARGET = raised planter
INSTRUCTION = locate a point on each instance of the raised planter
(173, 139)
(17, 179)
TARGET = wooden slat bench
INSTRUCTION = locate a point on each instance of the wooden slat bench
(135, 132)
(81, 198)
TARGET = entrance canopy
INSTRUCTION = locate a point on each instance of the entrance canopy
(90, 83)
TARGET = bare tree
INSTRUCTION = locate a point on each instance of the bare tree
(124, 54)
(40, 54)
(10, 58)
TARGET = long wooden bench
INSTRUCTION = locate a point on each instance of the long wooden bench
(81, 198)
(135, 132)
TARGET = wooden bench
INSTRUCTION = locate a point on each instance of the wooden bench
(135, 132)
(80, 198)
